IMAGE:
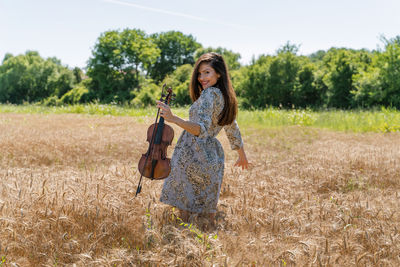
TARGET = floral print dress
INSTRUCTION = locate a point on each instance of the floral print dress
(197, 163)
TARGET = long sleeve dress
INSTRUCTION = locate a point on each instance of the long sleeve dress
(197, 163)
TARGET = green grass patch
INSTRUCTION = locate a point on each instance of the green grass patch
(382, 120)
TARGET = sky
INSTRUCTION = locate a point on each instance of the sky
(69, 29)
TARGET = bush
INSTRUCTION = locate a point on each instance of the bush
(179, 81)
(51, 101)
(147, 96)
(79, 94)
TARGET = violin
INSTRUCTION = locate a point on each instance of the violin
(154, 164)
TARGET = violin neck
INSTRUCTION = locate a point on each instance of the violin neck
(160, 129)
(159, 132)
(161, 121)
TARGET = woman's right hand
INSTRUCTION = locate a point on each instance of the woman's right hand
(165, 111)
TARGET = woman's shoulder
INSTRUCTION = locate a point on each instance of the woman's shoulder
(214, 95)
(212, 91)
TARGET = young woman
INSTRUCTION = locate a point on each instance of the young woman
(197, 163)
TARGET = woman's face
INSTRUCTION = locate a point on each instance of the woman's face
(207, 76)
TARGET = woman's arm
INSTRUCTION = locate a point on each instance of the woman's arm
(166, 113)
(189, 126)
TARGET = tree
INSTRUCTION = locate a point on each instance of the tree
(282, 80)
(368, 90)
(389, 64)
(251, 83)
(118, 60)
(288, 48)
(339, 78)
(307, 93)
(231, 58)
(377, 83)
(30, 78)
(317, 56)
(78, 73)
(6, 57)
(176, 49)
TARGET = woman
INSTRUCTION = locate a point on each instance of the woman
(197, 164)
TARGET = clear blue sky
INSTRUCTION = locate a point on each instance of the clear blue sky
(68, 29)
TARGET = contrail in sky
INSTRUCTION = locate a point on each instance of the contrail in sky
(176, 14)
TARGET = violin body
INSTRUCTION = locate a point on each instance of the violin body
(154, 164)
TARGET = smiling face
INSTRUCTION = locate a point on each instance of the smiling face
(207, 76)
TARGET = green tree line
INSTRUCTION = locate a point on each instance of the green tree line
(129, 66)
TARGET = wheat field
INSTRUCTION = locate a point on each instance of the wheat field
(312, 198)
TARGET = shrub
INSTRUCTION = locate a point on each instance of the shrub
(79, 94)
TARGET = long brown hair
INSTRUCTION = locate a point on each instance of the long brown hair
(217, 62)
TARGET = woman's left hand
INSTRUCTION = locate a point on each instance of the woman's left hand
(242, 161)
(165, 111)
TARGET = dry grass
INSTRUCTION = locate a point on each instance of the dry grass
(313, 198)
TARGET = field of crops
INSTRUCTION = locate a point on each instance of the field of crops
(315, 196)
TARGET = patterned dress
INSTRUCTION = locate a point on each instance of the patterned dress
(197, 163)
